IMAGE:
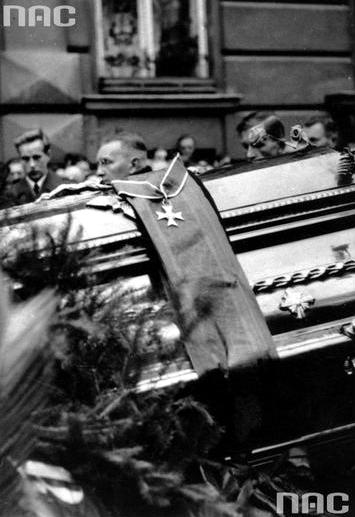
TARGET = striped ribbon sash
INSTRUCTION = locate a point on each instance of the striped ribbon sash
(222, 323)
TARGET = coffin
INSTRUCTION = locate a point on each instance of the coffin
(290, 221)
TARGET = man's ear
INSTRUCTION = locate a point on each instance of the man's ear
(135, 164)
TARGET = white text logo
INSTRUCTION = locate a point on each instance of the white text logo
(336, 503)
(38, 16)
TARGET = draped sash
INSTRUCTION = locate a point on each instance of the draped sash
(222, 324)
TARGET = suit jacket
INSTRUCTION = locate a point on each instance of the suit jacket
(22, 192)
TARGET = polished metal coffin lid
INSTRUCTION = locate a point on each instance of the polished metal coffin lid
(286, 219)
(248, 184)
(249, 192)
(287, 177)
(260, 205)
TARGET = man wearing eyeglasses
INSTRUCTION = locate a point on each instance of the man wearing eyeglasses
(33, 148)
(262, 136)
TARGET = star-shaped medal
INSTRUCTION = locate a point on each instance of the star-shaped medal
(169, 214)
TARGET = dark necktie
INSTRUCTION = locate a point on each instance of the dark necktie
(36, 189)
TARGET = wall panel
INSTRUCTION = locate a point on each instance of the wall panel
(271, 26)
(264, 80)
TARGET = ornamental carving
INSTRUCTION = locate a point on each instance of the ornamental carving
(296, 303)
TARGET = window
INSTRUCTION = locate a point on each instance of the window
(152, 38)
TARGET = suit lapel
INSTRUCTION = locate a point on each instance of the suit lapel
(24, 193)
(50, 183)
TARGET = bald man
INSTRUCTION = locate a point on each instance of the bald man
(119, 158)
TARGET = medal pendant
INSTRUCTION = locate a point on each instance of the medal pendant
(169, 214)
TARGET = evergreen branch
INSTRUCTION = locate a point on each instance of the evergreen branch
(24, 371)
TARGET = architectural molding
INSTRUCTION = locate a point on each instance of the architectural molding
(207, 102)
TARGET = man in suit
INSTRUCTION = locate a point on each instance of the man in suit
(117, 159)
(33, 148)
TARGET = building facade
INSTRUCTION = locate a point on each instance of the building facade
(81, 69)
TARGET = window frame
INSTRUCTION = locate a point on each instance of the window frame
(162, 84)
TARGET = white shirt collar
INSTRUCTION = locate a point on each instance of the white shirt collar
(39, 182)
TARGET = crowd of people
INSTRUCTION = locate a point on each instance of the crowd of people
(31, 173)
